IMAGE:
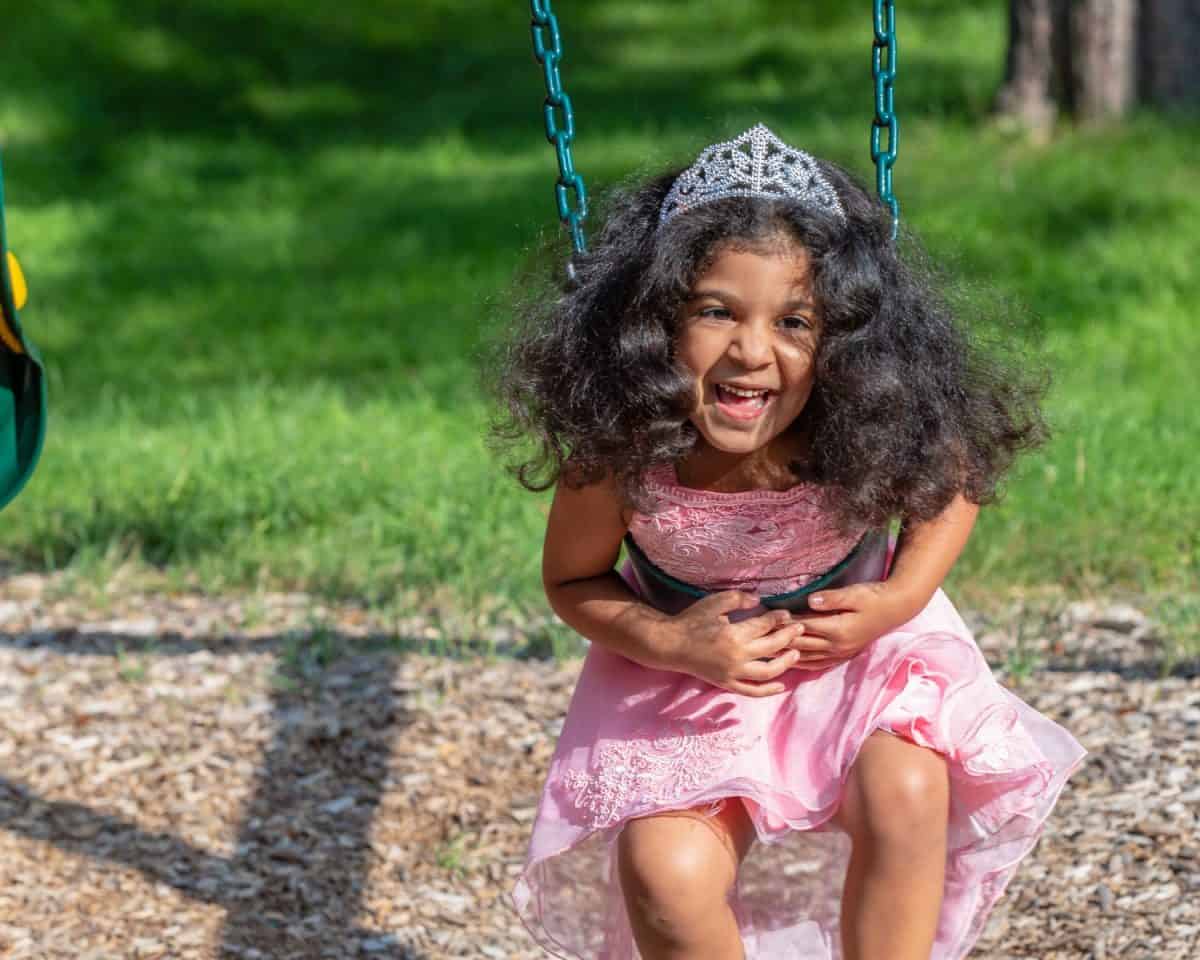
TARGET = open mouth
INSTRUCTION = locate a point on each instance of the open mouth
(740, 402)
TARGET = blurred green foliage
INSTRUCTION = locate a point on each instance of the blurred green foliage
(265, 241)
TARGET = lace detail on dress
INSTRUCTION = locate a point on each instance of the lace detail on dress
(652, 769)
(762, 541)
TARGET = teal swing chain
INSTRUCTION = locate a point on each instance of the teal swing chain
(545, 25)
(883, 67)
(547, 50)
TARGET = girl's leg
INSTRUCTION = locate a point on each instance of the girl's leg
(896, 810)
(676, 871)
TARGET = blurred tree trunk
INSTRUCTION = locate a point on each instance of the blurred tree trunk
(1032, 80)
(1103, 57)
(1094, 59)
(1169, 60)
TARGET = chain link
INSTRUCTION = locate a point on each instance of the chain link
(883, 67)
(547, 50)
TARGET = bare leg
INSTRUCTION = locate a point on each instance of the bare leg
(895, 809)
(714, 937)
(676, 871)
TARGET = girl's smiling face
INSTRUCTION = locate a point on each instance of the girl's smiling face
(749, 331)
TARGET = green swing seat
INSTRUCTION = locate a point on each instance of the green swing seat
(22, 380)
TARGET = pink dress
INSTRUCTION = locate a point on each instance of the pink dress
(637, 740)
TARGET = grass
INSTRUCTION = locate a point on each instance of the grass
(266, 242)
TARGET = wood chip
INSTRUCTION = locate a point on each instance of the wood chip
(176, 784)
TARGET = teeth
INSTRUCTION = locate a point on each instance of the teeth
(738, 391)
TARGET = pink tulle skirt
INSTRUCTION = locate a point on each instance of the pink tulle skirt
(636, 741)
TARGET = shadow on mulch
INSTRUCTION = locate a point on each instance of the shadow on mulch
(280, 897)
(308, 772)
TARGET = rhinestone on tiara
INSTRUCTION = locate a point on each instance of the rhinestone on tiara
(756, 164)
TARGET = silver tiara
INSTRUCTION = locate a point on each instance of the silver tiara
(756, 164)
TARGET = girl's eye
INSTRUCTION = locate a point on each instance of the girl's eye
(719, 312)
(796, 324)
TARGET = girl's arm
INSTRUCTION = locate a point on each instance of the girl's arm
(925, 552)
(583, 542)
(849, 618)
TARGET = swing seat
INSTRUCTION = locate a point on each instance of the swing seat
(22, 380)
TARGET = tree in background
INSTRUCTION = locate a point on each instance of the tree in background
(1095, 59)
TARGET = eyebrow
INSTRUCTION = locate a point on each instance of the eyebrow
(725, 295)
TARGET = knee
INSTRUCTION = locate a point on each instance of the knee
(907, 804)
(673, 888)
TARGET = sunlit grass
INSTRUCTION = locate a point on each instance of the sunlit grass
(262, 261)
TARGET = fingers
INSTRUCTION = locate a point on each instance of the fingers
(805, 652)
(843, 598)
(763, 670)
(826, 625)
(791, 637)
(758, 690)
(767, 688)
(766, 623)
(764, 678)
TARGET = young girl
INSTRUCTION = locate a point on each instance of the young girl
(746, 383)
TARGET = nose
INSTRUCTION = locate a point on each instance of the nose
(751, 345)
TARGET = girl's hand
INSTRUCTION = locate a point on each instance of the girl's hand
(738, 657)
(849, 619)
(844, 621)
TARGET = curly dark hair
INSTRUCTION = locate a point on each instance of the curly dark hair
(908, 408)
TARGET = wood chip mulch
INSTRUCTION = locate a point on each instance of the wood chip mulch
(176, 784)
